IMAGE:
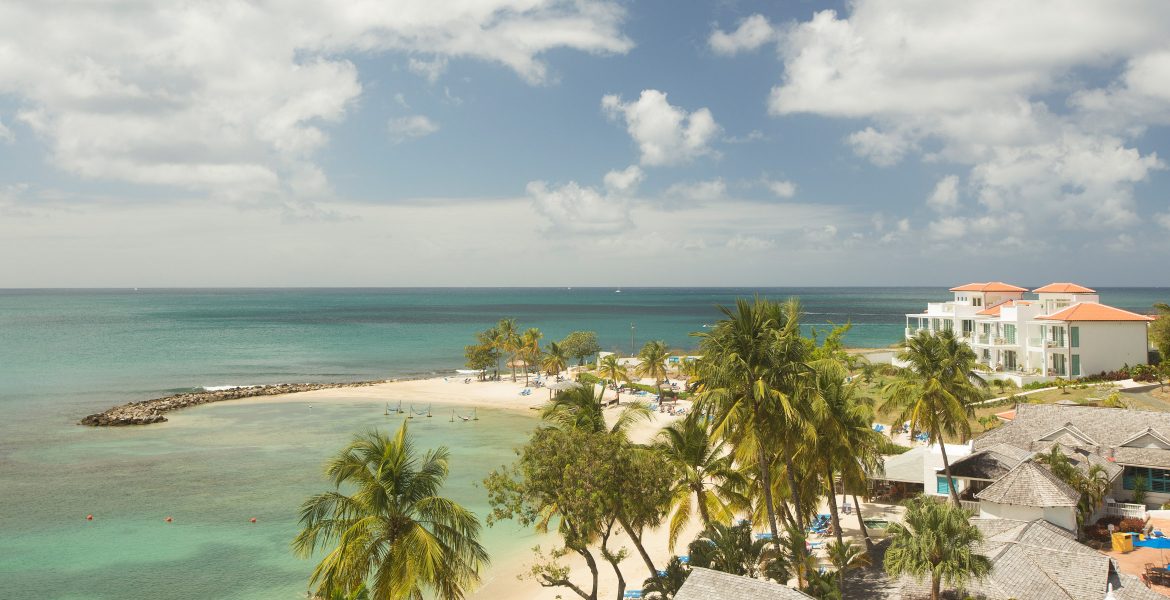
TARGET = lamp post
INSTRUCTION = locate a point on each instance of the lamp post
(631, 339)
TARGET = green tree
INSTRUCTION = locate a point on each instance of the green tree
(577, 483)
(652, 361)
(666, 583)
(731, 549)
(1160, 331)
(581, 345)
(612, 369)
(393, 529)
(847, 446)
(555, 360)
(755, 386)
(845, 557)
(508, 341)
(704, 476)
(936, 539)
(479, 357)
(580, 409)
(530, 350)
(936, 391)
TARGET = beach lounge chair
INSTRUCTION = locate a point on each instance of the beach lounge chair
(632, 594)
(763, 536)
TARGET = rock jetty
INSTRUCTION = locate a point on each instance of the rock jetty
(152, 411)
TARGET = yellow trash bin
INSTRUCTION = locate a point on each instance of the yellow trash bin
(1122, 542)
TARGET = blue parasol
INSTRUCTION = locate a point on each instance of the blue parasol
(1161, 543)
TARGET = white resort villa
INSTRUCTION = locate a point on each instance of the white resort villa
(1064, 332)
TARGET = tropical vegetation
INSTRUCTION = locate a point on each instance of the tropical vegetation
(386, 528)
(936, 540)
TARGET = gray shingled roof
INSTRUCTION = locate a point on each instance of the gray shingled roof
(705, 584)
(905, 467)
(1030, 484)
(1108, 429)
(990, 464)
(1036, 560)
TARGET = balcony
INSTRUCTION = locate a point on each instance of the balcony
(939, 308)
(983, 339)
(1054, 344)
(1036, 342)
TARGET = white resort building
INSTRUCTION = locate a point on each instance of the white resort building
(1064, 331)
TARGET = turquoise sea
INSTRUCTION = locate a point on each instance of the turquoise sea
(68, 353)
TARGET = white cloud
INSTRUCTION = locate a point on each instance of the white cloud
(407, 128)
(945, 197)
(964, 83)
(781, 188)
(754, 135)
(430, 70)
(753, 32)
(884, 149)
(572, 208)
(696, 192)
(236, 98)
(624, 181)
(6, 133)
(749, 243)
(665, 134)
(1163, 219)
(948, 229)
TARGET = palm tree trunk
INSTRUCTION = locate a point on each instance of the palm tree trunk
(947, 469)
(833, 506)
(637, 539)
(703, 513)
(934, 587)
(861, 523)
(766, 484)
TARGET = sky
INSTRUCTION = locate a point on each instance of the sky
(583, 142)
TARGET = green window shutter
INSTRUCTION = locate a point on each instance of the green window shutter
(1076, 360)
(1074, 335)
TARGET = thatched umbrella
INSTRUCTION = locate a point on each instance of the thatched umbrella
(560, 386)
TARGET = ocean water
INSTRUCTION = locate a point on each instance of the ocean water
(65, 354)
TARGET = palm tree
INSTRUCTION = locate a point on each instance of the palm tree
(394, 528)
(753, 384)
(728, 548)
(652, 359)
(845, 557)
(935, 392)
(666, 583)
(554, 360)
(509, 341)
(936, 539)
(530, 349)
(706, 477)
(580, 409)
(612, 369)
(847, 446)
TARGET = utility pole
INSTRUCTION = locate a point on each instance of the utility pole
(631, 339)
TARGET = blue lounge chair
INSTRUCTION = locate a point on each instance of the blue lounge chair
(684, 559)
(632, 594)
(763, 536)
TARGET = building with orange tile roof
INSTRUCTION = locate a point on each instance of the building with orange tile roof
(1064, 332)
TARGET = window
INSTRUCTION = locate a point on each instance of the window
(941, 485)
(1157, 480)
(1009, 334)
(1074, 337)
(976, 301)
(1076, 364)
(968, 326)
(1058, 364)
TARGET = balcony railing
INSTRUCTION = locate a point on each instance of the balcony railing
(1054, 344)
(972, 505)
(1036, 342)
(1123, 509)
(983, 339)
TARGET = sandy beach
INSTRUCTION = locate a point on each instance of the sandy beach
(501, 580)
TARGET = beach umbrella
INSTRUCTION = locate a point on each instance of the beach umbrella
(562, 385)
(518, 363)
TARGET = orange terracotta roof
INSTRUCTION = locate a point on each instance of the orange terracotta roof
(993, 286)
(993, 311)
(1091, 311)
(1063, 288)
(1007, 415)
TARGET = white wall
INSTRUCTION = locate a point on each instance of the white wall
(932, 466)
(1105, 345)
(1062, 516)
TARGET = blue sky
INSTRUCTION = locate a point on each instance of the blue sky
(588, 142)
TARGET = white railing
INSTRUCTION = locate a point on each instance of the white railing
(1125, 510)
(972, 505)
(1053, 344)
(1036, 342)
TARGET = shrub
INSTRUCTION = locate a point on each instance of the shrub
(1131, 525)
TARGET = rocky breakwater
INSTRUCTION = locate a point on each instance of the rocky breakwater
(152, 411)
